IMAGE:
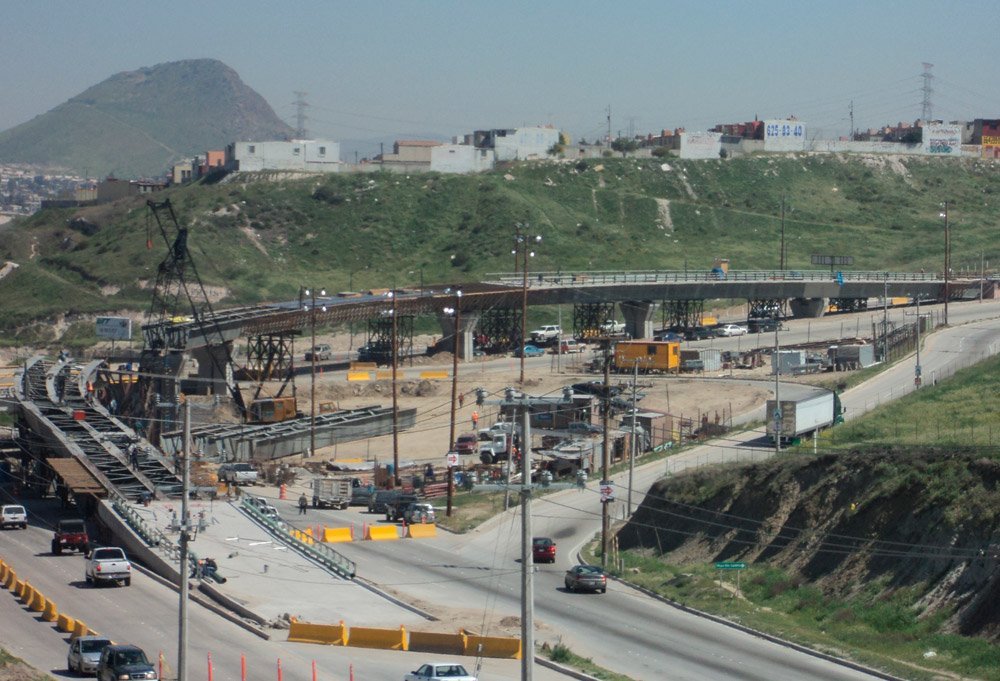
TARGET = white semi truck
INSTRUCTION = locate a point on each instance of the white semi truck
(804, 416)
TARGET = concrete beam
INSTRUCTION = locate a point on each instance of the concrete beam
(807, 307)
(467, 325)
(639, 317)
(215, 374)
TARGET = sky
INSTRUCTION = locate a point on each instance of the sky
(375, 69)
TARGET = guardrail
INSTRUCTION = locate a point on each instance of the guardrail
(153, 536)
(592, 278)
(319, 552)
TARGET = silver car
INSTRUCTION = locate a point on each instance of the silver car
(84, 654)
(732, 330)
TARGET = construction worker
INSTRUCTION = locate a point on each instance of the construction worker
(475, 419)
(303, 504)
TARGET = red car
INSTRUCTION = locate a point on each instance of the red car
(543, 550)
(467, 443)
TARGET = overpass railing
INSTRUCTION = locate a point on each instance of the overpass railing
(605, 277)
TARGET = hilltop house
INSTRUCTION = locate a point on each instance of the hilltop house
(318, 156)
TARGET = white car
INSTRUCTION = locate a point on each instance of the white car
(440, 671)
(84, 654)
(12, 515)
(732, 330)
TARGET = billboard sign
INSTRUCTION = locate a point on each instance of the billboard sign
(701, 144)
(784, 135)
(942, 140)
(114, 328)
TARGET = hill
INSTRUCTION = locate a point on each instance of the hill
(137, 123)
(259, 237)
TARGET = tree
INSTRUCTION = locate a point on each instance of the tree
(624, 145)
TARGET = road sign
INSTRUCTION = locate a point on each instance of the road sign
(451, 458)
(730, 566)
(607, 491)
(832, 259)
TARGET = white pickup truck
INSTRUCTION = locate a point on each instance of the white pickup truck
(108, 564)
(612, 327)
(546, 334)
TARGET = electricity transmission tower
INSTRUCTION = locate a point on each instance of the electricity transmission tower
(925, 113)
(300, 114)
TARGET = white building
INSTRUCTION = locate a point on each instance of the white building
(461, 158)
(319, 156)
(524, 144)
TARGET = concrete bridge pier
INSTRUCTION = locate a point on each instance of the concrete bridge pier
(639, 317)
(215, 374)
(803, 308)
(467, 323)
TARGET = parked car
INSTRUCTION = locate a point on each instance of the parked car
(529, 350)
(84, 654)
(419, 512)
(13, 515)
(568, 346)
(125, 662)
(436, 671)
(546, 334)
(699, 333)
(763, 324)
(70, 535)
(543, 550)
(668, 336)
(264, 507)
(238, 473)
(732, 330)
(320, 352)
(467, 443)
(584, 428)
(586, 578)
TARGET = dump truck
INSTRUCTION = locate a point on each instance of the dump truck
(650, 356)
(804, 416)
(332, 493)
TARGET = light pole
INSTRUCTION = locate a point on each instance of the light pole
(396, 480)
(521, 241)
(777, 394)
(456, 312)
(312, 362)
(947, 257)
(782, 255)
(917, 371)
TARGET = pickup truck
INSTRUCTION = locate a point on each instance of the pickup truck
(238, 473)
(546, 334)
(70, 535)
(108, 564)
(612, 327)
(13, 515)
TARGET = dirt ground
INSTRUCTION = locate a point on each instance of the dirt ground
(681, 396)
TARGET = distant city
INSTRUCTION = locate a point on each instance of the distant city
(25, 189)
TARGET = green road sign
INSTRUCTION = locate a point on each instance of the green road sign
(730, 566)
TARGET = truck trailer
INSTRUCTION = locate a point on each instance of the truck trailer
(332, 493)
(804, 416)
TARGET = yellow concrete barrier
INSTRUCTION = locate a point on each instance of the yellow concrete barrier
(3, 571)
(382, 532)
(421, 530)
(27, 593)
(11, 580)
(65, 623)
(330, 634)
(79, 628)
(337, 534)
(493, 646)
(359, 376)
(37, 602)
(383, 375)
(19, 588)
(432, 375)
(439, 644)
(50, 613)
(383, 639)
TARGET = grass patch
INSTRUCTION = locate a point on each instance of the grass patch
(562, 654)
(15, 668)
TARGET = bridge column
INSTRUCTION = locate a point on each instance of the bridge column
(807, 307)
(215, 374)
(467, 325)
(639, 317)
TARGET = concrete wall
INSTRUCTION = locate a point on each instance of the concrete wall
(311, 155)
(526, 143)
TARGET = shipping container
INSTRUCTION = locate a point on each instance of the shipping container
(649, 356)
(787, 360)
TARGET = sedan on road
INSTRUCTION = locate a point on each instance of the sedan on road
(586, 578)
(543, 550)
(732, 330)
(84, 654)
(436, 671)
(529, 350)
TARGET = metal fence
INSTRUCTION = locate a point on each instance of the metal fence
(604, 277)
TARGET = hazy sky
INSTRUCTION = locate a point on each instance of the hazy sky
(374, 69)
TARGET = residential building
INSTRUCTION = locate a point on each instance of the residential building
(461, 158)
(319, 156)
(409, 156)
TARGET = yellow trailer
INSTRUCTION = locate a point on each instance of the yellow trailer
(661, 356)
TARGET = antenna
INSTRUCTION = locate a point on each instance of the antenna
(925, 112)
(609, 125)
(850, 109)
(300, 114)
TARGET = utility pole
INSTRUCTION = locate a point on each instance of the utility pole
(633, 449)
(777, 394)
(850, 109)
(454, 396)
(182, 569)
(947, 258)
(609, 126)
(885, 319)
(312, 374)
(782, 267)
(527, 556)
(606, 455)
(396, 480)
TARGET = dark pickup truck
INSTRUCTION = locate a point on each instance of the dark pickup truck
(396, 507)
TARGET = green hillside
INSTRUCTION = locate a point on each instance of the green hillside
(262, 238)
(138, 123)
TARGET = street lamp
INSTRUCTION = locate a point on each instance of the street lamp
(397, 481)
(947, 257)
(311, 293)
(521, 240)
(456, 313)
